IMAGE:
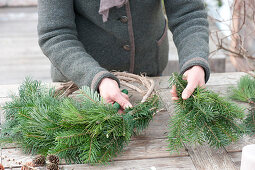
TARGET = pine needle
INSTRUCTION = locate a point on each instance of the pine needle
(204, 117)
(245, 92)
(80, 130)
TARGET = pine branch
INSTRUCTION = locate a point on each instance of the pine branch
(245, 92)
(204, 117)
(83, 129)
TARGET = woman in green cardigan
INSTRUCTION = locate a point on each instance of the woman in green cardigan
(84, 39)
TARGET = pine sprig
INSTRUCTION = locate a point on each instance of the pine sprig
(250, 120)
(83, 129)
(245, 92)
(204, 117)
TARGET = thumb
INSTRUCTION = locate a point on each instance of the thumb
(123, 102)
(187, 92)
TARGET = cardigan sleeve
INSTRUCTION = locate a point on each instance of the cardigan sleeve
(59, 42)
(187, 20)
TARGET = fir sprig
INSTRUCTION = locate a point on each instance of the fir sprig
(204, 117)
(83, 129)
(245, 92)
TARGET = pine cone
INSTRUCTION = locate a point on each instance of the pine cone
(52, 166)
(53, 159)
(39, 160)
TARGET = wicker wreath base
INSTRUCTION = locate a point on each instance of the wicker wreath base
(140, 83)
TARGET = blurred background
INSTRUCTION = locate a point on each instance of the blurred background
(232, 40)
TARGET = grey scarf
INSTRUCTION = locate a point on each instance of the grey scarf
(105, 6)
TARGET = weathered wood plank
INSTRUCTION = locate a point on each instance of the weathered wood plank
(159, 126)
(225, 78)
(236, 157)
(177, 163)
(152, 142)
(14, 157)
(137, 149)
(203, 157)
(145, 164)
(238, 146)
(148, 149)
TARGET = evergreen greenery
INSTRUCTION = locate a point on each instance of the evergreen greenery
(245, 92)
(250, 120)
(80, 130)
(204, 117)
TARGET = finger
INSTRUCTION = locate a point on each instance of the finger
(125, 95)
(185, 76)
(202, 85)
(187, 92)
(175, 98)
(123, 102)
(173, 91)
(110, 101)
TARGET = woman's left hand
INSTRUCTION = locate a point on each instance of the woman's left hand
(195, 77)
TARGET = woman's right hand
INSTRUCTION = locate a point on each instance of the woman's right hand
(110, 91)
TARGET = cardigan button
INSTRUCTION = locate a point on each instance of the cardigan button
(126, 47)
(123, 19)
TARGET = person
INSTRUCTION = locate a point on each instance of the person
(84, 39)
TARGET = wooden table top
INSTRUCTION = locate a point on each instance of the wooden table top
(149, 150)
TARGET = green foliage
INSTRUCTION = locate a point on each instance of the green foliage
(245, 92)
(80, 130)
(249, 121)
(204, 117)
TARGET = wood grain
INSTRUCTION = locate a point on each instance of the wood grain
(146, 164)
(205, 157)
(14, 157)
(147, 149)
(176, 163)
(236, 157)
(136, 150)
(238, 146)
